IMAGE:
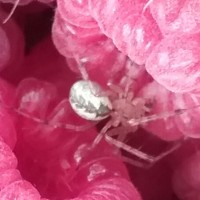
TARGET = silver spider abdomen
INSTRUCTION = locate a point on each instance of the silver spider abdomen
(87, 101)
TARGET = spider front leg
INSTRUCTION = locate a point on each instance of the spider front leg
(101, 135)
(114, 121)
(141, 155)
(117, 90)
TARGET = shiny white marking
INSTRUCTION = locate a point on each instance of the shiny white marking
(87, 101)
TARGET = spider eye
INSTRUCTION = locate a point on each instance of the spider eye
(86, 100)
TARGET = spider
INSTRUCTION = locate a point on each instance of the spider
(125, 113)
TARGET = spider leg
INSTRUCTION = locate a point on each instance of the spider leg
(100, 136)
(78, 128)
(122, 93)
(143, 156)
(128, 80)
(12, 11)
(129, 95)
(81, 68)
(104, 130)
(138, 100)
(165, 115)
(112, 122)
(147, 5)
(121, 132)
(135, 163)
(118, 90)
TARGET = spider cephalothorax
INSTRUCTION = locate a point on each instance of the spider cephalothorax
(125, 106)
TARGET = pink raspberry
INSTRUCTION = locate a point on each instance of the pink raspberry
(176, 16)
(185, 179)
(176, 58)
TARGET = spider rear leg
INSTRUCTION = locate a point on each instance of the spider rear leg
(164, 115)
(81, 67)
(147, 5)
(12, 11)
(78, 128)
